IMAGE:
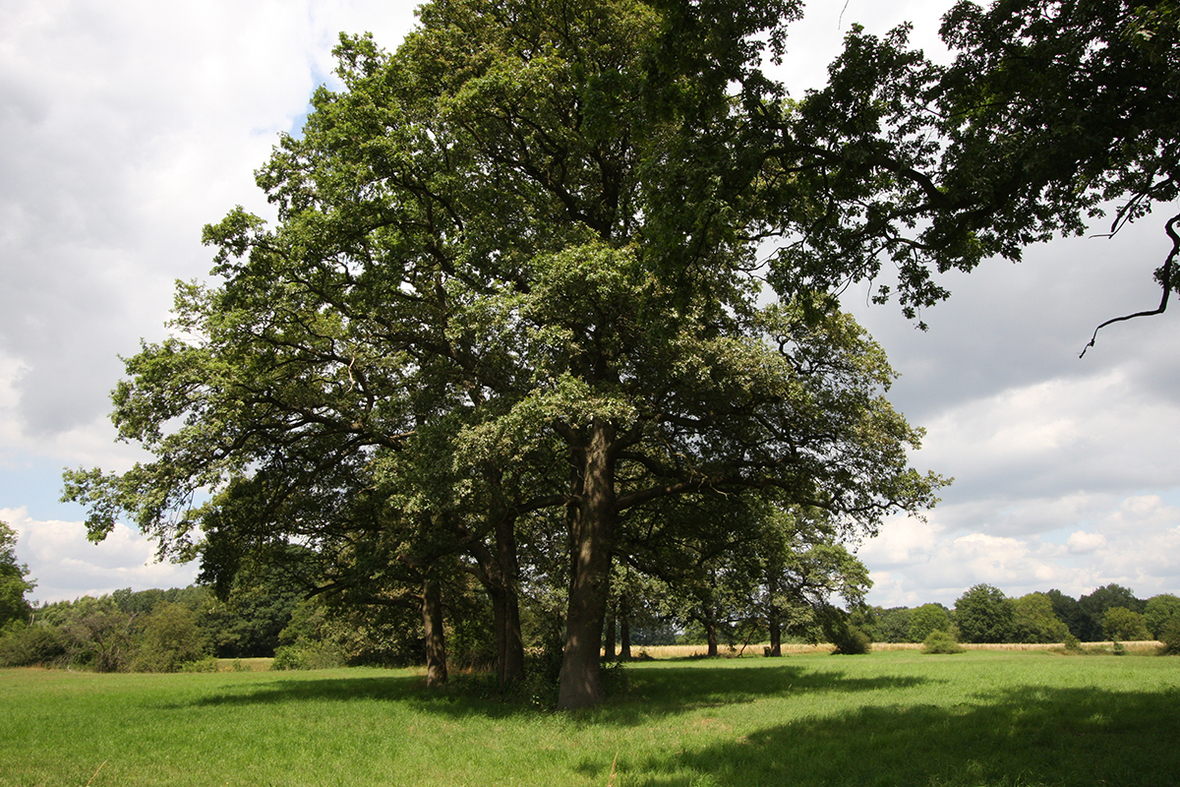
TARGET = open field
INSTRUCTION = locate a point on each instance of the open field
(890, 718)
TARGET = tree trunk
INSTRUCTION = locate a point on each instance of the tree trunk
(591, 532)
(608, 639)
(499, 573)
(773, 612)
(711, 635)
(625, 628)
(776, 634)
(509, 641)
(436, 643)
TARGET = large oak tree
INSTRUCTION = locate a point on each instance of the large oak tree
(515, 268)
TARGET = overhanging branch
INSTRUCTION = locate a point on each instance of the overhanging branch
(1166, 275)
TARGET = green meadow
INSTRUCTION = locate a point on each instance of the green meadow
(890, 718)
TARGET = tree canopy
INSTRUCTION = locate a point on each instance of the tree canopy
(550, 265)
(14, 582)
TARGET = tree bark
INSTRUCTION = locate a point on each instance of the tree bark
(711, 636)
(509, 641)
(608, 639)
(591, 532)
(436, 644)
(773, 613)
(776, 634)
(625, 628)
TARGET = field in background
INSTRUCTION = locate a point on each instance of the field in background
(890, 718)
(699, 651)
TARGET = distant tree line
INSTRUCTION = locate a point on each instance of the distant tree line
(984, 614)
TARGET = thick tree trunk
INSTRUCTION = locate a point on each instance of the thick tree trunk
(776, 634)
(436, 644)
(711, 636)
(509, 641)
(773, 613)
(591, 532)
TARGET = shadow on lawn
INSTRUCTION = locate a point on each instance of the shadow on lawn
(647, 695)
(1026, 736)
(300, 687)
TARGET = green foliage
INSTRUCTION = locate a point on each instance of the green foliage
(309, 655)
(847, 638)
(32, 645)
(1095, 605)
(14, 583)
(926, 619)
(1169, 636)
(1120, 623)
(480, 316)
(984, 614)
(169, 640)
(893, 625)
(941, 641)
(1034, 620)
(1159, 611)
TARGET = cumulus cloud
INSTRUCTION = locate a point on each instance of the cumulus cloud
(1082, 543)
(65, 565)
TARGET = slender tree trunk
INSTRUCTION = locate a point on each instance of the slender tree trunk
(436, 644)
(625, 628)
(608, 638)
(592, 529)
(499, 573)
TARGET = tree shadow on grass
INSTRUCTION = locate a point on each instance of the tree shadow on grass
(654, 693)
(1025, 736)
(297, 687)
(640, 696)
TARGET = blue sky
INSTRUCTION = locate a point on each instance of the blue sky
(130, 125)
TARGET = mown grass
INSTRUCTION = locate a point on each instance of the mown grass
(890, 718)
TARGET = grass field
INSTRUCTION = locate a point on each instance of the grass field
(890, 718)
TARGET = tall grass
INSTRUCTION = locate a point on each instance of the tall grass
(890, 718)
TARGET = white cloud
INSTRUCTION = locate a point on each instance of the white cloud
(1083, 543)
(65, 565)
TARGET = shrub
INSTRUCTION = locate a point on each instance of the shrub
(850, 641)
(171, 639)
(1170, 637)
(207, 664)
(27, 646)
(941, 642)
(309, 655)
(1072, 643)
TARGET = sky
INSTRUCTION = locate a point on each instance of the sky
(127, 126)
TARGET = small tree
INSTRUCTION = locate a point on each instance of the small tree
(1120, 623)
(939, 641)
(170, 639)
